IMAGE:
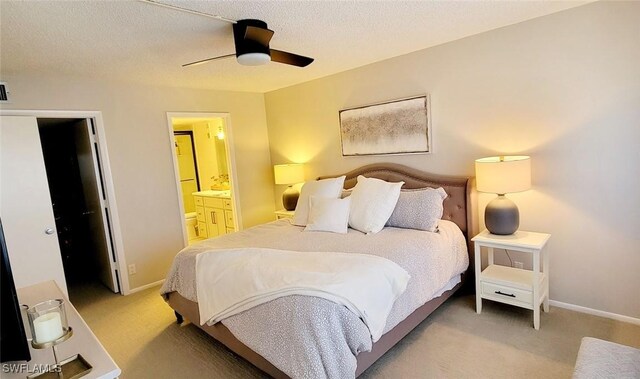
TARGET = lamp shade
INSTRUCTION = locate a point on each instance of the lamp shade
(503, 174)
(289, 173)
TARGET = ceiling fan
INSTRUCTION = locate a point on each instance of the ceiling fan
(251, 38)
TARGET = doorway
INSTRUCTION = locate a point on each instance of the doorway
(56, 159)
(76, 187)
(205, 174)
(185, 150)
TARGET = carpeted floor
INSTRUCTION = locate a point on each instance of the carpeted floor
(140, 333)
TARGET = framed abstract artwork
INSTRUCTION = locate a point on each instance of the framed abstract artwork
(394, 127)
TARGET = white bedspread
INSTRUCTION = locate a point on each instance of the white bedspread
(310, 337)
(367, 285)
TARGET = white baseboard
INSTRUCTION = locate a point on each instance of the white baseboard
(595, 312)
(146, 286)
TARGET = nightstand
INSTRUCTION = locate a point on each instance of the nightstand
(523, 288)
(283, 213)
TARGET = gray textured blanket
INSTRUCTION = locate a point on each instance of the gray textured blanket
(309, 337)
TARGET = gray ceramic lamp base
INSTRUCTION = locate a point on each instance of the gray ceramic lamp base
(290, 198)
(501, 216)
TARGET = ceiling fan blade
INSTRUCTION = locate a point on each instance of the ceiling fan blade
(207, 60)
(290, 58)
(260, 35)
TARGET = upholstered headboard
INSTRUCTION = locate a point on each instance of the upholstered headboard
(459, 207)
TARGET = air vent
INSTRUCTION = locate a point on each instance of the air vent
(4, 94)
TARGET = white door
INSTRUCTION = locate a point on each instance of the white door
(96, 202)
(25, 205)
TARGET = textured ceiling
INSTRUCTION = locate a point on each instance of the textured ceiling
(139, 42)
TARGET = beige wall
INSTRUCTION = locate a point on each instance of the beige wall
(564, 89)
(140, 155)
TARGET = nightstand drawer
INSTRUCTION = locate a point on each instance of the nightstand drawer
(284, 214)
(506, 294)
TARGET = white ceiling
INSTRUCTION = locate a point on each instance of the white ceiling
(135, 41)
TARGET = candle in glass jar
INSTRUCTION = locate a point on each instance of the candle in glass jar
(25, 321)
(48, 327)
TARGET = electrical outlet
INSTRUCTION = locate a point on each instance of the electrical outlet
(517, 264)
(132, 269)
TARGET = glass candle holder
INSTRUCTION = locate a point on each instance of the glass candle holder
(48, 321)
(25, 321)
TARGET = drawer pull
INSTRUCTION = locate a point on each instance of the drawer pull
(505, 294)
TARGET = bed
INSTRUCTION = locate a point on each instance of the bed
(248, 334)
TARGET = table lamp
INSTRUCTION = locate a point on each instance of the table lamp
(502, 175)
(289, 174)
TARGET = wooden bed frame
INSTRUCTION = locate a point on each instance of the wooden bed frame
(460, 207)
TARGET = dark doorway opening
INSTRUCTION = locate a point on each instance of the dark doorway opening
(76, 189)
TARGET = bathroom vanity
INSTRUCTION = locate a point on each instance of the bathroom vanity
(214, 210)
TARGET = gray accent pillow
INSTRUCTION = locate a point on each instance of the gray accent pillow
(418, 209)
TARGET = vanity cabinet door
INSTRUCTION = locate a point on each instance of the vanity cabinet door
(215, 222)
(202, 228)
(220, 222)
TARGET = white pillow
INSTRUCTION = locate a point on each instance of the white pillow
(372, 202)
(328, 215)
(331, 188)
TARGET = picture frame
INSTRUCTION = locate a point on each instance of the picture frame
(395, 127)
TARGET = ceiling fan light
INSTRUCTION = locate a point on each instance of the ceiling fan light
(254, 59)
